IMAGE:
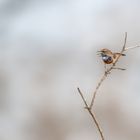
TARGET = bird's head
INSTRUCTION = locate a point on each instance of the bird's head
(107, 55)
(104, 52)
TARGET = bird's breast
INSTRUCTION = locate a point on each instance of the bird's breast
(107, 59)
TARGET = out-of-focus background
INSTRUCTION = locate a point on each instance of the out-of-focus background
(47, 49)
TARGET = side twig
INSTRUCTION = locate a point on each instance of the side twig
(128, 48)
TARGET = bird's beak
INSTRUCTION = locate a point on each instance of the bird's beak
(99, 52)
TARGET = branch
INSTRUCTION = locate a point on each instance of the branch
(91, 114)
(97, 87)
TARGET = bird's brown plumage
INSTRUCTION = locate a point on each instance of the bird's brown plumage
(108, 56)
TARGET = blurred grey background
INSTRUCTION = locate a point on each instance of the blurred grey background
(47, 49)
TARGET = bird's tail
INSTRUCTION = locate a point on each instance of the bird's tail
(121, 54)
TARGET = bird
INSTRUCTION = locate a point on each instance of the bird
(108, 56)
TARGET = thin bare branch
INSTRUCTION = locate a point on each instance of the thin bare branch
(91, 114)
(82, 96)
(128, 48)
(123, 49)
(124, 42)
(97, 87)
(118, 68)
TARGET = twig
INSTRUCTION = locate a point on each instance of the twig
(128, 48)
(97, 87)
(118, 68)
(91, 113)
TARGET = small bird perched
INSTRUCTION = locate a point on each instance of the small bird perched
(108, 56)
